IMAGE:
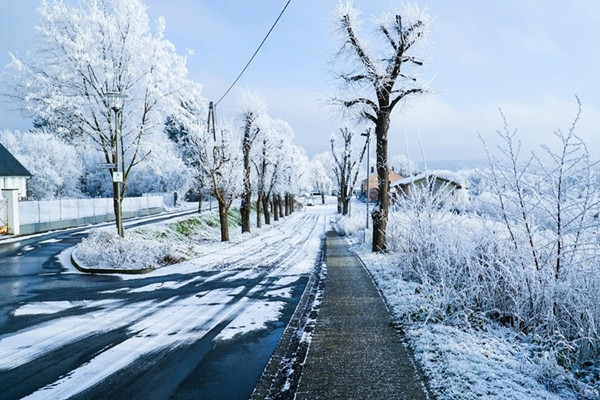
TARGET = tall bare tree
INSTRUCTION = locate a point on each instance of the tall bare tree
(380, 77)
(250, 107)
(346, 168)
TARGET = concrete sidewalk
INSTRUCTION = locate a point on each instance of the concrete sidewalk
(355, 352)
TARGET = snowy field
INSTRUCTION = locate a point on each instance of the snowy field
(228, 291)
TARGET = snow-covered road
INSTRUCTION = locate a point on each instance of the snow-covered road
(204, 328)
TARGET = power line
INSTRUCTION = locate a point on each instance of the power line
(255, 53)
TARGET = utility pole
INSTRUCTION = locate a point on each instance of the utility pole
(368, 136)
(116, 104)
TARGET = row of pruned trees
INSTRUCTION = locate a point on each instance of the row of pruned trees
(102, 76)
(251, 157)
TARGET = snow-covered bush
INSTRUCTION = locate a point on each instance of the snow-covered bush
(105, 249)
(527, 260)
(348, 225)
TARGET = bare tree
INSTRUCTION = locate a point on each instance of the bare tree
(319, 178)
(346, 169)
(220, 160)
(250, 107)
(381, 78)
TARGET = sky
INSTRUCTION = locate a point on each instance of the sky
(529, 59)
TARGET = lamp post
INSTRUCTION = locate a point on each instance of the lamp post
(115, 101)
(368, 136)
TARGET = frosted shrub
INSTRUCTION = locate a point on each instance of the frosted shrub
(103, 248)
(350, 225)
(529, 260)
(461, 266)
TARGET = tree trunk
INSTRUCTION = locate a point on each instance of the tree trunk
(322, 198)
(344, 199)
(246, 205)
(200, 200)
(245, 209)
(259, 201)
(280, 204)
(275, 208)
(286, 199)
(224, 221)
(266, 210)
(380, 214)
(118, 208)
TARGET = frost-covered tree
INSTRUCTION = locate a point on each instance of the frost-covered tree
(265, 156)
(319, 178)
(177, 128)
(250, 107)
(162, 171)
(380, 74)
(326, 159)
(219, 153)
(346, 166)
(403, 165)
(284, 162)
(55, 166)
(89, 54)
(297, 177)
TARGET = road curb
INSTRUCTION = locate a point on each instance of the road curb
(77, 264)
(280, 377)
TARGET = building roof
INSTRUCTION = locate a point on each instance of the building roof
(391, 175)
(421, 177)
(9, 165)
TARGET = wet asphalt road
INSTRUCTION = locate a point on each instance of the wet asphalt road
(108, 338)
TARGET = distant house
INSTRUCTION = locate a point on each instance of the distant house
(373, 185)
(13, 175)
(409, 186)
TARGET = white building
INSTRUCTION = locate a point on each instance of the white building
(410, 186)
(13, 175)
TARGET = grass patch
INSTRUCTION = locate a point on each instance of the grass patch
(189, 226)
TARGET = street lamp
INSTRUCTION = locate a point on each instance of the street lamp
(115, 101)
(367, 134)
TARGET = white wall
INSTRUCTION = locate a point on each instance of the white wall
(15, 182)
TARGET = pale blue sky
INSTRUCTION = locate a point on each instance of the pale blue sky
(528, 57)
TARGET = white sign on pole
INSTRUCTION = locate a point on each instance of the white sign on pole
(117, 176)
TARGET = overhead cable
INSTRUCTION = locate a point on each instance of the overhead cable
(255, 53)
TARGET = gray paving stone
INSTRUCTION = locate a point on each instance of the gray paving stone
(355, 352)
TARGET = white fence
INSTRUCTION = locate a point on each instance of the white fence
(32, 212)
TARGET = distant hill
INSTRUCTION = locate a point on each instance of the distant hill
(454, 165)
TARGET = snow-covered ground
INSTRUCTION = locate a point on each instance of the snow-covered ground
(461, 362)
